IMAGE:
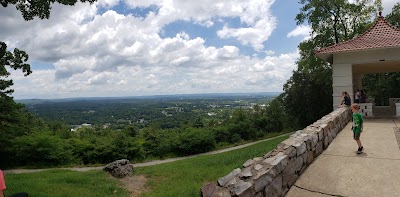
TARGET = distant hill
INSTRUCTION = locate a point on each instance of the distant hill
(176, 96)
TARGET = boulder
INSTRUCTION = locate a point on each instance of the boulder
(119, 168)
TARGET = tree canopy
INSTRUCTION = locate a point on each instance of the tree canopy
(308, 93)
(37, 8)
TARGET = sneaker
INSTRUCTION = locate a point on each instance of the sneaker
(360, 149)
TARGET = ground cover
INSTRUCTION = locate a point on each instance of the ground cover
(185, 177)
(65, 183)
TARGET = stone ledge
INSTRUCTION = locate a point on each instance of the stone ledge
(278, 170)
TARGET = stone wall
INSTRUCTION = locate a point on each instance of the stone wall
(275, 172)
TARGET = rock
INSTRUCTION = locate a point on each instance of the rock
(300, 148)
(314, 138)
(211, 190)
(263, 178)
(224, 180)
(299, 163)
(248, 163)
(310, 157)
(290, 151)
(319, 148)
(257, 167)
(119, 168)
(326, 143)
(246, 173)
(257, 159)
(288, 172)
(277, 162)
(275, 188)
(243, 189)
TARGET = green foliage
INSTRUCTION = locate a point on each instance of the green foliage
(61, 183)
(193, 141)
(382, 86)
(14, 60)
(43, 149)
(37, 8)
(394, 17)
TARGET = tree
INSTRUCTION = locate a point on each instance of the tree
(13, 119)
(308, 93)
(37, 8)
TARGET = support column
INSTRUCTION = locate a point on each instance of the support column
(342, 76)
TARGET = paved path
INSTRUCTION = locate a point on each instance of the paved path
(339, 171)
(150, 163)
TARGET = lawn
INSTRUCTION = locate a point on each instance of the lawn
(185, 177)
(64, 183)
(176, 179)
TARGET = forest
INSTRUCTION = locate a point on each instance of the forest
(171, 127)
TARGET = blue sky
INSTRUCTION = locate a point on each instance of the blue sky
(153, 47)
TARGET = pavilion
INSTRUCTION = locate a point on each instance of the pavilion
(375, 51)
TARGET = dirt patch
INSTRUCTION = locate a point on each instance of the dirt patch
(134, 184)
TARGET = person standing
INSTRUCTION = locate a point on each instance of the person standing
(357, 96)
(357, 126)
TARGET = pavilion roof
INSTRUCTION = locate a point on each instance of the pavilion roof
(380, 35)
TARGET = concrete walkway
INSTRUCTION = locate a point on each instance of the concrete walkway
(339, 171)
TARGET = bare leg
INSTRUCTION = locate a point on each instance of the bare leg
(359, 143)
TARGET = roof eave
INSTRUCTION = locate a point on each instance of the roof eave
(325, 56)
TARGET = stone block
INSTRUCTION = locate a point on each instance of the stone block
(277, 162)
(299, 162)
(223, 181)
(258, 159)
(211, 190)
(314, 139)
(258, 167)
(300, 148)
(330, 138)
(310, 157)
(243, 189)
(288, 172)
(275, 188)
(291, 151)
(319, 148)
(248, 163)
(246, 173)
(263, 178)
(326, 143)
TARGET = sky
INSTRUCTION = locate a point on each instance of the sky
(118, 48)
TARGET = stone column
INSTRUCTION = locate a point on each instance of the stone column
(397, 109)
(342, 76)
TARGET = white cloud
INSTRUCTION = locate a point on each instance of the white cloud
(301, 30)
(124, 55)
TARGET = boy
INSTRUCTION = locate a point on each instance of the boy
(357, 126)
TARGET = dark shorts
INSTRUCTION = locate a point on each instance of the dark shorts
(356, 136)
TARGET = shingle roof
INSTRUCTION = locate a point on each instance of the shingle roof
(380, 35)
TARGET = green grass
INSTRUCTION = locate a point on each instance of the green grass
(180, 178)
(186, 177)
(64, 183)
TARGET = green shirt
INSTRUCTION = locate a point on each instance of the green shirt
(357, 122)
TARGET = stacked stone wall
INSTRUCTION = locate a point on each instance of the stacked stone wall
(275, 172)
